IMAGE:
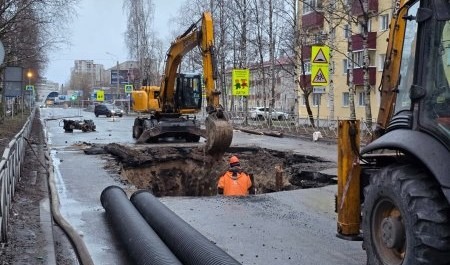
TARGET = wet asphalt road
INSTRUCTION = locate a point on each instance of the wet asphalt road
(291, 227)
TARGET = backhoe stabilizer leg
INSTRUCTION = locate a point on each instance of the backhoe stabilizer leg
(219, 134)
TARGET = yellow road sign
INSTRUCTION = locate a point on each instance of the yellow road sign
(240, 82)
(100, 95)
(319, 75)
(320, 55)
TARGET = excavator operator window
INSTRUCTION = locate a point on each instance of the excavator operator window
(188, 91)
(407, 62)
(439, 98)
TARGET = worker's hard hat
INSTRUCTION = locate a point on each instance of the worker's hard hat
(234, 161)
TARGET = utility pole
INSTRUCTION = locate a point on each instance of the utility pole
(117, 75)
(118, 80)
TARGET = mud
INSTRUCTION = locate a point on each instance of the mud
(188, 171)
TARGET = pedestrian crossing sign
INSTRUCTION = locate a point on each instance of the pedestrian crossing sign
(319, 76)
(128, 88)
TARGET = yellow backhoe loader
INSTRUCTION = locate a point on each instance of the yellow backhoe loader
(394, 193)
(171, 109)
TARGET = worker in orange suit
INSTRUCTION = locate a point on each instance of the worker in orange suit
(234, 182)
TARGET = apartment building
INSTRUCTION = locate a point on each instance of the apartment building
(323, 28)
(94, 72)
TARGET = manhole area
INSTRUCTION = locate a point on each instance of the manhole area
(182, 171)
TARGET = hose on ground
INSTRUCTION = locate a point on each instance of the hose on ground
(80, 248)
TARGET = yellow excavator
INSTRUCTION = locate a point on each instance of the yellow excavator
(394, 193)
(171, 109)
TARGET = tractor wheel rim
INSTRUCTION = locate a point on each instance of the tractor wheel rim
(388, 233)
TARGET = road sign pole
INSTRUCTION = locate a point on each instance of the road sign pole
(318, 109)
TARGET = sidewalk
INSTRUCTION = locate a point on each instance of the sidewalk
(30, 226)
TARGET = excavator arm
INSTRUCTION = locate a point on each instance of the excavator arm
(219, 132)
(391, 73)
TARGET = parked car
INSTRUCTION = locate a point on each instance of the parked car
(261, 113)
(107, 110)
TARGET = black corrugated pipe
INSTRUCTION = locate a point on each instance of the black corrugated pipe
(141, 242)
(186, 243)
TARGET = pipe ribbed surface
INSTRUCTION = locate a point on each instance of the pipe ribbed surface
(186, 243)
(141, 242)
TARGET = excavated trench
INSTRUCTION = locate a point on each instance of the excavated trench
(187, 171)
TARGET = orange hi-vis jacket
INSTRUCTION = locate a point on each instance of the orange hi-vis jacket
(236, 184)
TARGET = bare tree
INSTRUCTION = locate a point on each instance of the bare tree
(142, 43)
(29, 29)
(83, 82)
(364, 22)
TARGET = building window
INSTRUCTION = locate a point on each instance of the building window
(303, 100)
(345, 99)
(369, 26)
(361, 99)
(333, 34)
(381, 58)
(384, 22)
(316, 99)
(347, 31)
(358, 58)
(311, 5)
(345, 66)
(307, 66)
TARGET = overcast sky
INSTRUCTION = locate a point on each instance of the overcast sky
(98, 30)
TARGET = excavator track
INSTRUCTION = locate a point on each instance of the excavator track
(219, 134)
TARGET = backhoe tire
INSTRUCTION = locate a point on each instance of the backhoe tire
(406, 218)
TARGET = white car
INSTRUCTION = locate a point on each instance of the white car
(261, 113)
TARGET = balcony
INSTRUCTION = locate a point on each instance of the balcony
(306, 52)
(357, 7)
(305, 81)
(312, 20)
(357, 41)
(358, 76)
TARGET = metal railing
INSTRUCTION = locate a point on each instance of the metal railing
(10, 172)
(297, 125)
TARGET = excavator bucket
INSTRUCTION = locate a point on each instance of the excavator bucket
(219, 134)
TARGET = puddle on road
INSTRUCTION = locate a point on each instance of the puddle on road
(186, 171)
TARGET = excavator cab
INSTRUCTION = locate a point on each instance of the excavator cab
(188, 93)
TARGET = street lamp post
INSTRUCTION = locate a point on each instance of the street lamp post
(117, 74)
(30, 75)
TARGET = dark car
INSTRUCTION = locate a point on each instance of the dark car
(107, 110)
